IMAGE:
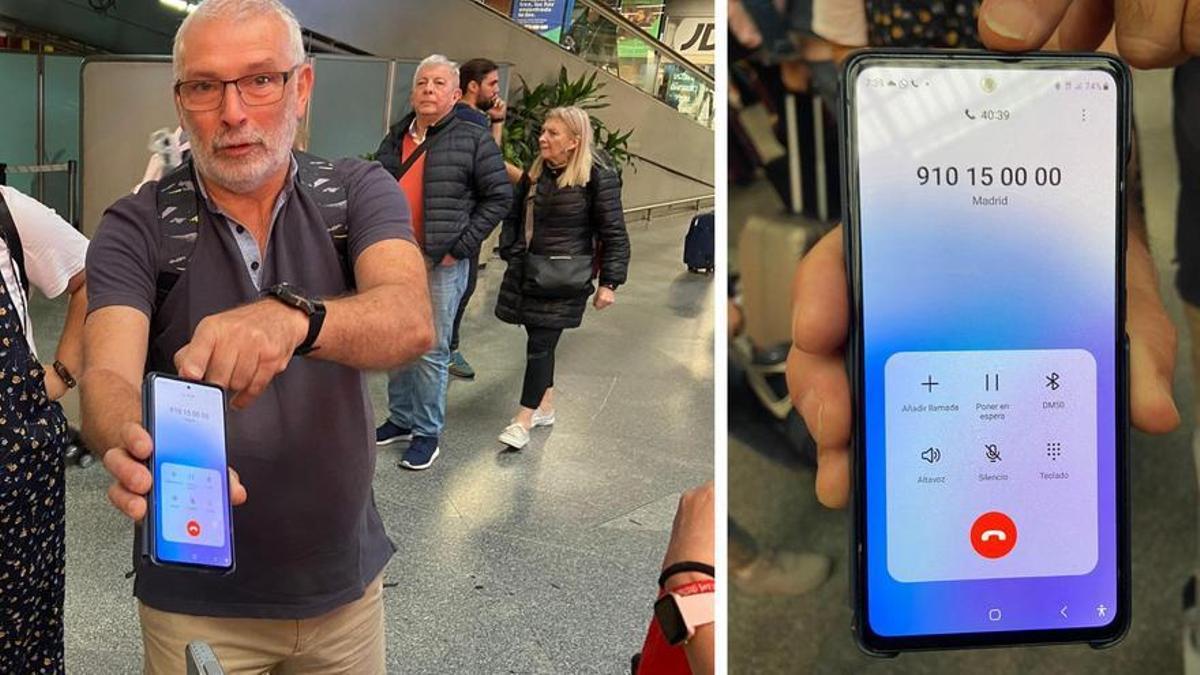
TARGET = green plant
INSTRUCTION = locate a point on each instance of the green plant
(528, 107)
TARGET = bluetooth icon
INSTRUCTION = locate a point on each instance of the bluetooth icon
(1052, 381)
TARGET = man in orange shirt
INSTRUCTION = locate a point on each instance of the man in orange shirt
(453, 175)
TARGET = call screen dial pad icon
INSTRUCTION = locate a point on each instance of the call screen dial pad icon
(1013, 492)
(191, 505)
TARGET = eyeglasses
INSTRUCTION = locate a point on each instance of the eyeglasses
(255, 90)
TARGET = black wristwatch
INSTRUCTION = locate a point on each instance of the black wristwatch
(293, 296)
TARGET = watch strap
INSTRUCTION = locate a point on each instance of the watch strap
(694, 587)
(65, 374)
(315, 321)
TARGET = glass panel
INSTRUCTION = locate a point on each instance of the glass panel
(592, 37)
(402, 90)
(505, 81)
(62, 127)
(348, 104)
(637, 61)
(685, 92)
(645, 14)
(18, 136)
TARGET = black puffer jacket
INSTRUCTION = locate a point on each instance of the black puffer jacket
(467, 192)
(566, 221)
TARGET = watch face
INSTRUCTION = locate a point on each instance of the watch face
(294, 297)
(303, 303)
(670, 619)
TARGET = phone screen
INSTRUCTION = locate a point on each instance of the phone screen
(191, 491)
(989, 243)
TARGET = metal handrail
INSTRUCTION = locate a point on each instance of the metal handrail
(648, 208)
(620, 19)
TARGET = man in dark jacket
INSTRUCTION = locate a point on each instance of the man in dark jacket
(454, 177)
(479, 82)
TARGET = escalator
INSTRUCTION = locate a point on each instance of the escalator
(672, 143)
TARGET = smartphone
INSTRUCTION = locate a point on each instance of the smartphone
(189, 522)
(985, 241)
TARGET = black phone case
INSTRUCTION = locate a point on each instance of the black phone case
(869, 642)
(147, 527)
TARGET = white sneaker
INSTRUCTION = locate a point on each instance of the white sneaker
(514, 436)
(541, 419)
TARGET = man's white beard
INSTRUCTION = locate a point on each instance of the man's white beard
(242, 175)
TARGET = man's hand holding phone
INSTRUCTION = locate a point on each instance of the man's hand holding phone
(1149, 33)
(820, 389)
(499, 109)
(127, 465)
(243, 349)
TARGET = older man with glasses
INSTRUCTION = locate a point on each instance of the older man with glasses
(279, 277)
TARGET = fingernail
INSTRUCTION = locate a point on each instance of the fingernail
(813, 410)
(796, 309)
(1170, 396)
(1012, 20)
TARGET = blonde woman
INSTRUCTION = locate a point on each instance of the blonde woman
(565, 230)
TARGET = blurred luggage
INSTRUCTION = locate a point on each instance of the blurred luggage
(699, 246)
(769, 248)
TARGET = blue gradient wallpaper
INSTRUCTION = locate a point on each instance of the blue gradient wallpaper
(988, 257)
(191, 515)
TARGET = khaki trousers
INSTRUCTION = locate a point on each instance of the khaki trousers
(349, 639)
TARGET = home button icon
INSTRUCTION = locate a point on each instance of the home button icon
(994, 614)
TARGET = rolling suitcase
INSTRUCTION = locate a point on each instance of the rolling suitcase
(700, 244)
(769, 248)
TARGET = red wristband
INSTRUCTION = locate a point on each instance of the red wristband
(696, 587)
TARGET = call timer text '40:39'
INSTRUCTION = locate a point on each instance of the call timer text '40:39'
(986, 176)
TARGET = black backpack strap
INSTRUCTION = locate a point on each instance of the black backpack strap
(178, 203)
(319, 179)
(178, 200)
(422, 148)
(12, 239)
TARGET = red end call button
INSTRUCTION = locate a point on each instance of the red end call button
(193, 528)
(993, 535)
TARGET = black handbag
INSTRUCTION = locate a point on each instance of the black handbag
(553, 276)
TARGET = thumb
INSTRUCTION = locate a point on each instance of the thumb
(1018, 25)
(1151, 366)
(237, 492)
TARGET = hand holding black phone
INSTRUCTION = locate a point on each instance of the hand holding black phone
(985, 244)
(189, 521)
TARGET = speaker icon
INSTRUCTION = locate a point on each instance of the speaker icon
(932, 455)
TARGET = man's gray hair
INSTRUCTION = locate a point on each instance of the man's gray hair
(239, 9)
(436, 60)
